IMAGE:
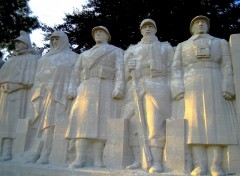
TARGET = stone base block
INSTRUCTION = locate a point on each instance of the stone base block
(15, 169)
(117, 150)
(177, 152)
(60, 144)
(19, 144)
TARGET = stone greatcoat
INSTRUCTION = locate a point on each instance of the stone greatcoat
(98, 71)
(203, 75)
(49, 96)
(18, 73)
(153, 63)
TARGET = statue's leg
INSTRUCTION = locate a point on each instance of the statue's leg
(216, 167)
(6, 149)
(137, 158)
(98, 147)
(81, 153)
(47, 145)
(200, 160)
(157, 156)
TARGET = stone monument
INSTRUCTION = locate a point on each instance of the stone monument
(16, 81)
(152, 109)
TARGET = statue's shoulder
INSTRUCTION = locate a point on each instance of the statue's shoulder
(115, 47)
(131, 47)
(186, 42)
(166, 43)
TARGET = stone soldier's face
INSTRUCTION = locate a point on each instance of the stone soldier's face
(200, 27)
(20, 46)
(55, 41)
(100, 36)
(148, 29)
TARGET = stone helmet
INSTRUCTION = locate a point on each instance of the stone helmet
(101, 28)
(200, 17)
(25, 38)
(148, 21)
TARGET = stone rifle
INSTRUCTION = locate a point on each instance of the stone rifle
(143, 139)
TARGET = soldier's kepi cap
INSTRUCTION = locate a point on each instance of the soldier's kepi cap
(200, 17)
(101, 28)
(148, 21)
(25, 38)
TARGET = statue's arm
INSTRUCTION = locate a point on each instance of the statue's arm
(119, 75)
(177, 84)
(227, 71)
(75, 79)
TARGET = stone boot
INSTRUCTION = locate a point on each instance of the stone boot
(200, 160)
(216, 169)
(47, 145)
(33, 155)
(157, 155)
(98, 154)
(7, 149)
(32, 158)
(43, 159)
(81, 150)
(136, 164)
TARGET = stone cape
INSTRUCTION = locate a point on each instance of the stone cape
(117, 154)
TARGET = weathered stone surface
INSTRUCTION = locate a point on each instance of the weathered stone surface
(117, 139)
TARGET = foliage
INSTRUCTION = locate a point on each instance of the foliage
(122, 18)
(15, 16)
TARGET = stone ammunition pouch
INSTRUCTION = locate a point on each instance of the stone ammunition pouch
(102, 72)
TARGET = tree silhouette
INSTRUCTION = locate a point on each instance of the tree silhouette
(122, 18)
(15, 16)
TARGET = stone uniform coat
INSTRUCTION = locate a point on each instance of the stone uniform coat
(18, 72)
(98, 71)
(203, 80)
(49, 96)
(153, 62)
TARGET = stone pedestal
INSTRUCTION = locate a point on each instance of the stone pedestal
(60, 144)
(177, 152)
(234, 151)
(234, 42)
(22, 131)
(117, 151)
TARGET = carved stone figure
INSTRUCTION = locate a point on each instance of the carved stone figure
(148, 65)
(49, 96)
(97, 82)
(16, 80)
(202, 74)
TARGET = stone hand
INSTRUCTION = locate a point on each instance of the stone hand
(117, 93)
(71, 95)
(5, 88)
(228, 96)
(179, 96)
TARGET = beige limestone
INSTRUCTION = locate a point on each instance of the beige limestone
(16, 81)
(59, 154)
(117, 152)
(178, 154)
(147, 66)
(97, 83)
(234, 151)
(49, 97)
(205, 79)
(120, 150)
(20, 144)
